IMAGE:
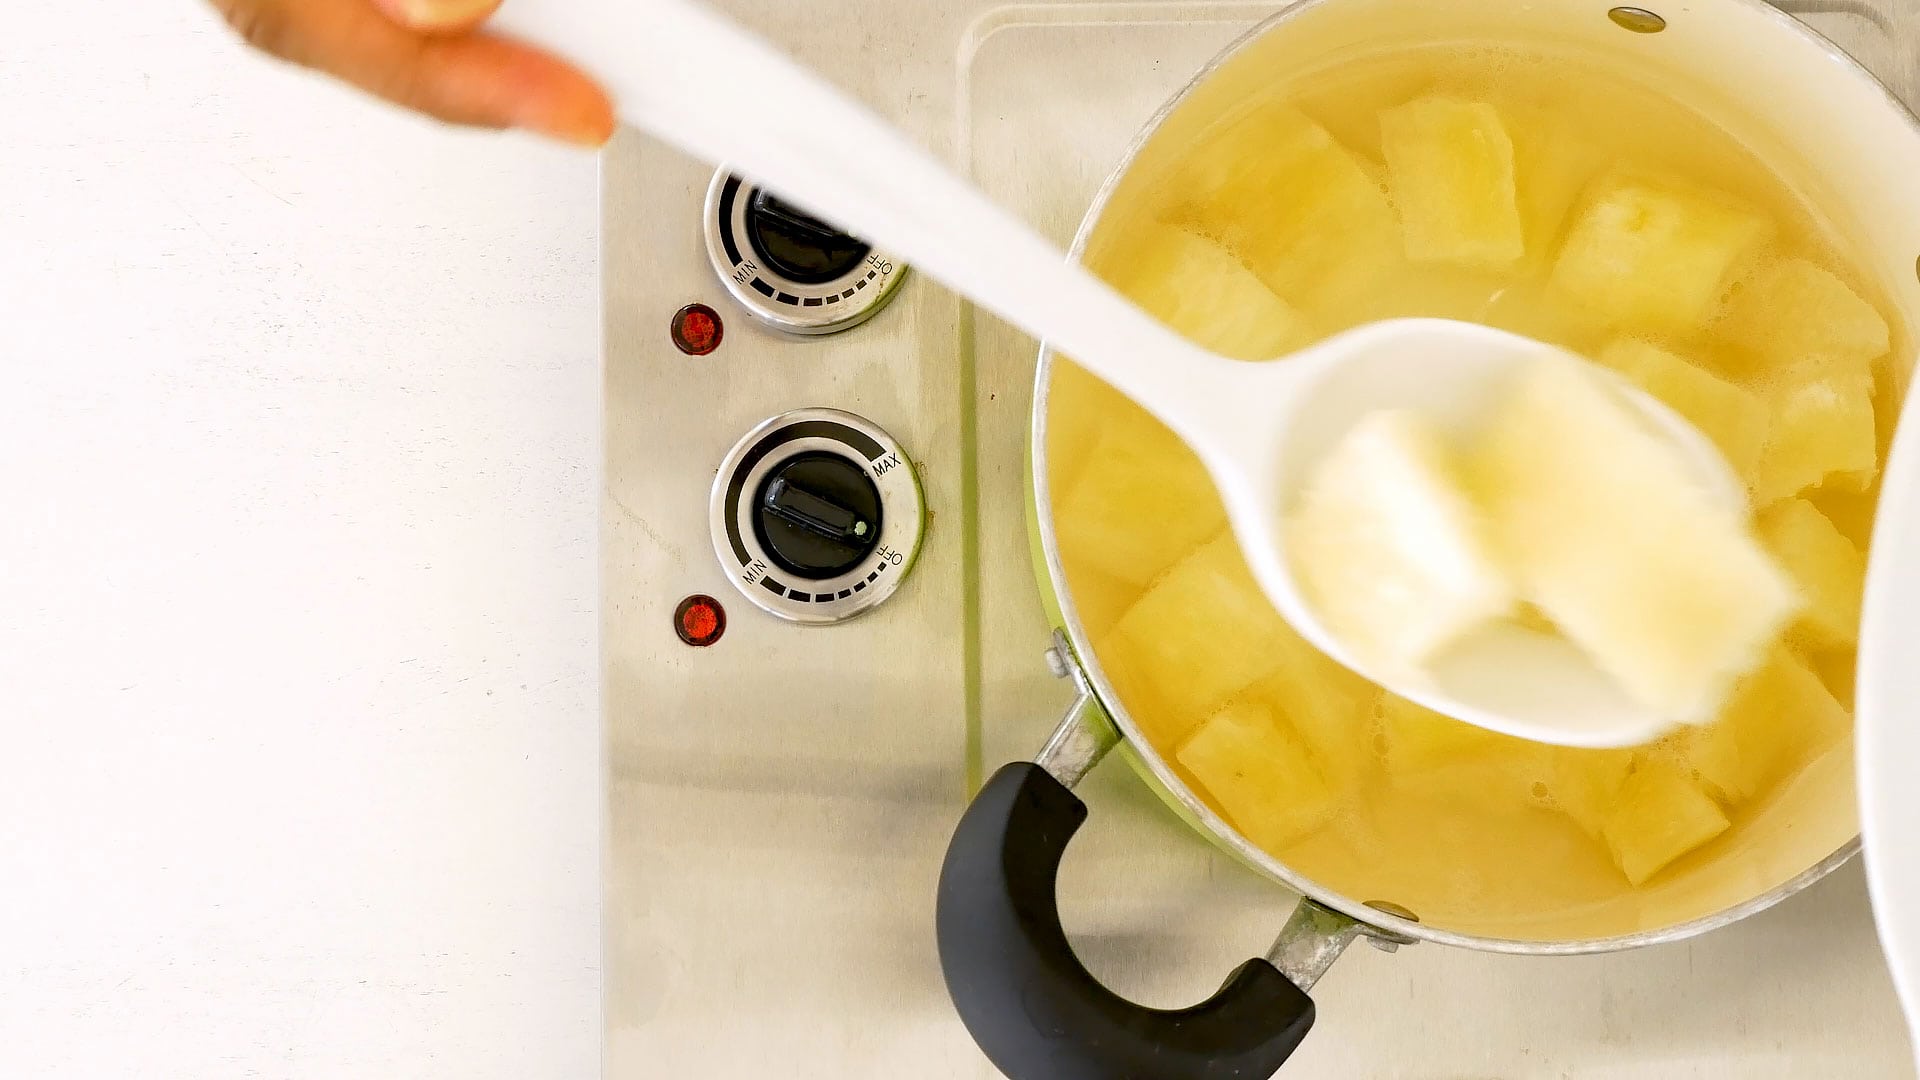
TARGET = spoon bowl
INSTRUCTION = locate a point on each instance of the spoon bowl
(1258, 427)
(1261, 428)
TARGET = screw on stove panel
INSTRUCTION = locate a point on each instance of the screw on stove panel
(817, 515)
(789, 269)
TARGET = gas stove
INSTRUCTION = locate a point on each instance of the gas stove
(821, 628)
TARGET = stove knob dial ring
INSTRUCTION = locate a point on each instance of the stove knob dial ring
(817, 516)
(790, 270)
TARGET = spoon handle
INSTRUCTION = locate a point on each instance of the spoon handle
(693, 79)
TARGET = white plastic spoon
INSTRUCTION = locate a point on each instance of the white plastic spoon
(691, 78)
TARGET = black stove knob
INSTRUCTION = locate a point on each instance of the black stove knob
(797, 245)
(817, 515)
(789, 269)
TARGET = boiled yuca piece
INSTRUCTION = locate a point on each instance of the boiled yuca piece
(1193, 285)
(1607, 534)
(1450, 163)
(1260, 774)
(1780, 716)
(1734, 417)
(1416, 739)
(1436, 756)
(1654, 254)
(1142, 500)
(1276, 190)
(1659, 815)
(1245, 157)
(1202, 634)
(1838, 672)
(1328, 706)
(1585, 784)
(1829, 570)
(1388, 546)
(1822, 433)
(1552, 165)
(1786, 310)
(1852, 512)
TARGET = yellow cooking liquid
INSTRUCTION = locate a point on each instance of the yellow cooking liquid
(1542, 194)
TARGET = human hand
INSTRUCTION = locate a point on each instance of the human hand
(428, 55)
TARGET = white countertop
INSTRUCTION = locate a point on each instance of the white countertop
(299, 446)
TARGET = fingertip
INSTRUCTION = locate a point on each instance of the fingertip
(515, 86)
(438, 16)
(593, 128)
(583, 121)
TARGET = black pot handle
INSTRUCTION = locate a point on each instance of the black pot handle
(1028, 1001)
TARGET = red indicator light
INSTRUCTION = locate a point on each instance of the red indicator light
(699, 620)
(697, 330)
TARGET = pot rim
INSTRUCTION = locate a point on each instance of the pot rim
(1149, 756)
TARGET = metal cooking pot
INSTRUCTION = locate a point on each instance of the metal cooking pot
(1029, 1003)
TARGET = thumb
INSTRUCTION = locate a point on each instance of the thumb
(438, 16)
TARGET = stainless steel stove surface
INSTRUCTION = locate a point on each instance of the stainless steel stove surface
(779, 799)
